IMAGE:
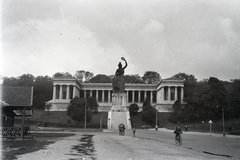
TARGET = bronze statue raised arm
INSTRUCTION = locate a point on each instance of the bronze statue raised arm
(120, 70)
(118, 81)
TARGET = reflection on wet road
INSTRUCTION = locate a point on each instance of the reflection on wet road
(84, 149)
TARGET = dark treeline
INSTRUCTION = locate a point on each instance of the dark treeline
(43, 85)
(201, 98)
(204, 100)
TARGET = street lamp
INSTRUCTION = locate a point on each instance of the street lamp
(156, 119)
(85, 118)
(222, 119)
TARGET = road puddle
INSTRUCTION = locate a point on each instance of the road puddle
(85, 150)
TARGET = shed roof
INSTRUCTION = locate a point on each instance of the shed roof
(16, 95)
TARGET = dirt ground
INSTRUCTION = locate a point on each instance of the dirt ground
(11, 148)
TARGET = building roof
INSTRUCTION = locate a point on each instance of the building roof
(64, 77)
(16, 95)
(173, 78)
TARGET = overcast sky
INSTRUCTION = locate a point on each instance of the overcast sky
(200, 37)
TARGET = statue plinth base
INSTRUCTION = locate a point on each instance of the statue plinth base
(119, 113)
(119, 102)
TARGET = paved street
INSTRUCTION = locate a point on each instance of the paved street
(148, 144)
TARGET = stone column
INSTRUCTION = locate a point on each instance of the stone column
(85, 93)
(127, 96)
(162, 95)
(139, 96)
(182, 93)
(133, 96)
(151, 97)
(60, 92)
(175, 93)
(103, 96)
(54, 92)
(109, 96)
(91, 93)
(74, 91)
(169, 93)
(67, 92)
(97, 95)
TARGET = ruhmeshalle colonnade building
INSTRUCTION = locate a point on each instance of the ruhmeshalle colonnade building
(116, 97)
(162, 94)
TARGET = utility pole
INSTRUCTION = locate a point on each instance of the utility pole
(156, 118)
(85, 118)
(223, 121)
(223, 125)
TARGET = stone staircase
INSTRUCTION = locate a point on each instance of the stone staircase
(116, 118)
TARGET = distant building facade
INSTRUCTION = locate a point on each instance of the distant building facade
(162, 95)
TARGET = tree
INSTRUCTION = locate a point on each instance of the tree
(219, 91)
(60, 74)
(234, 94)
(151, 77)
(81, 75)
(10, 81)
(100, 78)
(190, 82)
(88, 75)
(146, 103)
(92, 104)
(201, 102)
(149, 115)
(133, 108)
(42, 92)
(133, 79)
(76, 110)
(26, 80)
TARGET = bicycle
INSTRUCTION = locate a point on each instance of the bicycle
(178, 138)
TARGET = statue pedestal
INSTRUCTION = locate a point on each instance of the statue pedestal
(119, 112)
(119, 102)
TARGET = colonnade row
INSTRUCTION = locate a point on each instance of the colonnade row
(172, 93)
(168, 93)
(104, 96)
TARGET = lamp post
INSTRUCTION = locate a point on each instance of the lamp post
(222, 120)
(156, 128)
(85, 118)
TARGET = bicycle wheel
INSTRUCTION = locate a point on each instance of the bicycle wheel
(178, 139)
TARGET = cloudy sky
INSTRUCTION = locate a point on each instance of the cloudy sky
(43, 37)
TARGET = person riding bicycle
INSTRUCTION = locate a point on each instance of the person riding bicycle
(178, 132)
(121, 128)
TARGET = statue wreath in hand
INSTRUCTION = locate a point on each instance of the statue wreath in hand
(118, 81)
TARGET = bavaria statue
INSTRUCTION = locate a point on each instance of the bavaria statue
(118, 80)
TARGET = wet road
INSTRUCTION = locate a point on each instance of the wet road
(147, 145)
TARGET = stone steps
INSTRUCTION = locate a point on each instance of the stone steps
(118, 118)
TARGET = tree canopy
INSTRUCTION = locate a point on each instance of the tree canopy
(202, 103)
(148, 113)
(133, 108)
(76, 110)
(133, 79)
(151, 77)
(82, 75)
(60, 74)
(100, 78)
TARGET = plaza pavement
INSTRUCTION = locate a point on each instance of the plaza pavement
(112, 147)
